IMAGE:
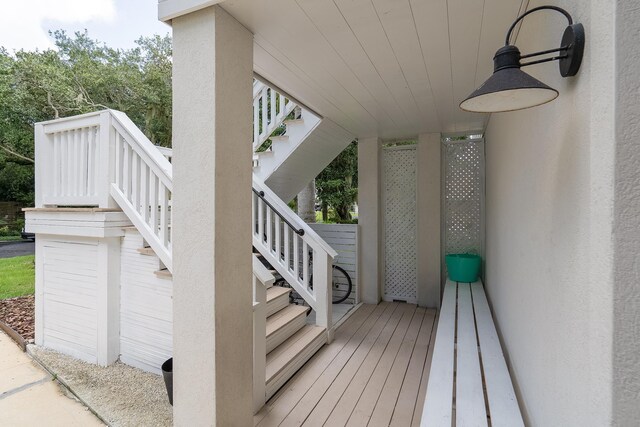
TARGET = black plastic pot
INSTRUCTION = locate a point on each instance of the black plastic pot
(167, 374)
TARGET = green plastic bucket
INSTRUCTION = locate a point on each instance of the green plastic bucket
(463, 267)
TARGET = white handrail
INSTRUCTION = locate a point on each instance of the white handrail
(142, 185)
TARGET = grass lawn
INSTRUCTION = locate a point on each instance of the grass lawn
(17, 276)
(10, 238)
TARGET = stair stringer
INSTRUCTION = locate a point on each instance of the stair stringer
(308, 158)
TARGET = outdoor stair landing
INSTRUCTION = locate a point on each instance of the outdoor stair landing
(374, 373)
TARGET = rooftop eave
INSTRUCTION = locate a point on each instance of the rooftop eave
(169, 9)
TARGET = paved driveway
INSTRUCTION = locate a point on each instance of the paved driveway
(11, 249)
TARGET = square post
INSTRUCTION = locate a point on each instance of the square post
(429, 226)
(108, 300)
(212, 303)
(369, 219)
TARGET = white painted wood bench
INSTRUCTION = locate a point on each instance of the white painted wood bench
(469, 383)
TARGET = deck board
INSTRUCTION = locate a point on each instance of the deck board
(377, 365)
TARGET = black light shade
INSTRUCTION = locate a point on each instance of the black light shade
(509, 88)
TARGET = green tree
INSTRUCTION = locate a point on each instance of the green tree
(337, 184)
(79, 76)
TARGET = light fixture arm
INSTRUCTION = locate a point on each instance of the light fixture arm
(535, 9)
(571, 46)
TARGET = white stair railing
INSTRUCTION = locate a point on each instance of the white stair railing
(299, 255)
(97, 158)
(142, 185)
(270, 108)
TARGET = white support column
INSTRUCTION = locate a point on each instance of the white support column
(108, 300)
(369, 219)
(212, 92)
(429, 185)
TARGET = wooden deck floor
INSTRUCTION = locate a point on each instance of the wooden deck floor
(373, 373)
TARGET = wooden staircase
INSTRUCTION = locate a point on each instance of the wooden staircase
(290, 341)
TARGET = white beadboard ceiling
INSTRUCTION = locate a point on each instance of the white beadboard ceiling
(387, 68)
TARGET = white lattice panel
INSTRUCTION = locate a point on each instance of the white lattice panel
(463, 196)
(400, 224)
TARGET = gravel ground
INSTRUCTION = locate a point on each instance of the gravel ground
(18, 313)
(120, 394)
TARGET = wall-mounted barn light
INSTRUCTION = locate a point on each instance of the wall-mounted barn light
(510, 88)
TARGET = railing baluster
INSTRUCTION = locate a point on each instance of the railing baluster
(74, 163)
(153, 193)
(269, 236)
(134, 179)
(261, 221)
(126, 171)
(118, 161)
(82, 163)
(296, 257)
(263, 133)
(256, 123)
(278, 245)
(272, 112)
(144, 192)
(57, 147)
(69, 164)
(305, 265)
(287, 253)
(282, 106)
(91, 164)
(164, 217)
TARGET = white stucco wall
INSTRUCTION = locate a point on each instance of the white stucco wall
(626, 363)
(549, 224)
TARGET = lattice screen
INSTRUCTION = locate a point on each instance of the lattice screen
(463, 196)
(400, 225)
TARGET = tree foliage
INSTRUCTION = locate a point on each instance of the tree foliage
(337, 184)
(79, 76)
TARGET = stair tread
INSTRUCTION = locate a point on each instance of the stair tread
(278, 359)
(146, 251)
(165, 273)
(293, 121)
(275, 292)
(283, 317)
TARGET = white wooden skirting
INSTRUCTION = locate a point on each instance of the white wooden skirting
(343, 238)
(68, 293)
(146, 319)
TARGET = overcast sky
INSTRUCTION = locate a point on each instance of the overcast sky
(24, 24)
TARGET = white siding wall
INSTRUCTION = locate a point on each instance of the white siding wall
(344, 239)
(69, 296)
(145, 308)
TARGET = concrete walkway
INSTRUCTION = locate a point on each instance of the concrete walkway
(29, 396)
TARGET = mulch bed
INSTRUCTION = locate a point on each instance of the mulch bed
(18, 313)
